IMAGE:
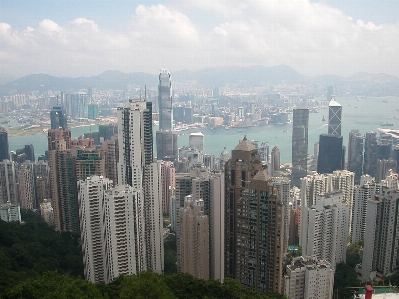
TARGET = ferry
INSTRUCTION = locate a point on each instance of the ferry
(386, 124)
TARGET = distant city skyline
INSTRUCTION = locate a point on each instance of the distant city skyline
(84, 38)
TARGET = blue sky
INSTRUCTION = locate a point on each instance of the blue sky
(81, 38)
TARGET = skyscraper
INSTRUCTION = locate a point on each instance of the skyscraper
(196, 140)
(299, 145)
(334, 118)
(8, 182)
(165, 101)
(4, 154)
(58, 118)
(355, 154)
(370, 154)
(325, 228)
(331, 154)
(167, 148)
(275, 161)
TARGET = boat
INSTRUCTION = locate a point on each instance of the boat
(285, 131)
(323, 119)
(239, 130)
(227, 128)
(386, 124)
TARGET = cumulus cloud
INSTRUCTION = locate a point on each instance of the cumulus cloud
(311, 37)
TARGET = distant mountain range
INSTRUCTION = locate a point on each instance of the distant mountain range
(210, 77)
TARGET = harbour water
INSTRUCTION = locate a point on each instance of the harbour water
(363, 114)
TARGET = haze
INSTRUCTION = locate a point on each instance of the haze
(84, 38)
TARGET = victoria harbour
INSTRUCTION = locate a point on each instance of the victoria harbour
(363, 114)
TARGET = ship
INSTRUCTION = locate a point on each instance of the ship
(386, 124)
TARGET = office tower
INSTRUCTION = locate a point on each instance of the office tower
(395, 156)
(123, 231)
(193, 239)
(308, 277)
(263, 151)
(91, 210)
(167, 148)
(330, 92)
(355, 154)
(109, 151)
(134, 142)
(106, 132)
(63, 181)
(300, 126)
(331, 154)
(239, 171)
(275, 161)
(4, 154)
(383, 167)
(78, 105)
(196, 141)
(10, 212)
(165, 101)
(168, 182)
(370, 154)
(92, 111)
(259, 236)
(210, 162)
(334, 118)
(88, 162)
(283, 186)
(46, 211)
(383, 150)
(8, 182)
(361, 194)
(325, 228)
(58, 118)
(381, 238)
(26, 186)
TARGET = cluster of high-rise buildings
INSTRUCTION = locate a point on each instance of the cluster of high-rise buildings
(238, 216)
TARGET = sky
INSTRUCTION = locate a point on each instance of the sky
(72, 38)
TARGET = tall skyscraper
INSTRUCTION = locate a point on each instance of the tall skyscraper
(8, 182)
(193, 239)
(300, 126)
(325, 228)
(165, 101)
(168, 182)
(334, 118)
(4, 154)
(370, 154)
(331, 154)
(355, 154)
(259, 236)
(26, 186)
(381, 238)
(167, 148)
(137, 169)
(275, 161)
(91, 211)
(58, 118)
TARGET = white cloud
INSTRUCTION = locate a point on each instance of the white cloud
(311, 37)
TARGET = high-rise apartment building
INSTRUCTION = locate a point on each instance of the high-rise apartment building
(78, 105)
(355, 154)
(8, 182)
(58, 118)
(168, 182)
(308, 277)
(334, 118)
(325, 227)
(361, 194)
(91, 212)
(380, 254)
(193, 239)
(47, 212)
(4, 154)
(26, 186)
(370, 154)
(165, 101)
(88, 162)
(110, 152)
(300, 125)
(260, 236)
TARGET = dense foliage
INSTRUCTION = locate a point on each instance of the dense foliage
(146, 285)
(33, 248)
(170, 254)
